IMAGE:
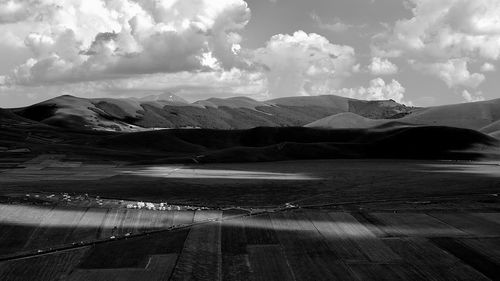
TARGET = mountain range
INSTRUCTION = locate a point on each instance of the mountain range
(170, 111)
(159, 129)
(481, 116)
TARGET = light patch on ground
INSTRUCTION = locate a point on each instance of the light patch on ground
(491, 168)
(190, 173)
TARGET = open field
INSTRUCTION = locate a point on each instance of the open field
(322, 220)
(265, 184)
(286, 245)
(27, 229)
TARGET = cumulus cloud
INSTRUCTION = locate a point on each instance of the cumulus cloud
(442, 36)
(336, 25)
(379, 66)
(377, 89)
(189, 85)
(192, 86)
(105, 46)
(304, 64)
(453, 72)
(488, 67)
(94, 39)
(477, 96)
(14, 10)
(445, 29)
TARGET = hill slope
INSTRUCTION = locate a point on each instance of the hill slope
(347, 120)
(484, 116)
(493, 127)
(474, 115)
(168, 111)
(272, 144)
(257, 144)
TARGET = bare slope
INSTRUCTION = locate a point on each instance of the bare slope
(478, 116)
(346, 120)
(257, 144)
(214, 113)
(493, 127)
(466, 115)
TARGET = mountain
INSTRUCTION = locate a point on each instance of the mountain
(170, 111)
(250, 145)
(483, 116)
(63, 130)
(168, 97)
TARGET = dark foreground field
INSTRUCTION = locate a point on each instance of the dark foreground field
(300, 244)
(292, 220)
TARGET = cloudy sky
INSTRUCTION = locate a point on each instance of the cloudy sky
(420, 52)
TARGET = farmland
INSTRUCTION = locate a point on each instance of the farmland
(300, 220)
(283, 245)
(26, 229)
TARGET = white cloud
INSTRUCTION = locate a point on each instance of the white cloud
(488, 67)
(297, 64)
(445, 29)
(304, 64)
(442, 36)
(453, 72)
(94, 39)
(379, 66)
(189, 85)
(336, 25)
(477, 96)
(378, 89)
(12, 11)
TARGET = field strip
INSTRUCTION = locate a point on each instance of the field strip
(77, 245)
(477, 260)
(473, 225)
(308, 255)
(420, 198)
(200, 258)
(367, 241)
(417, 224)
(185, 221)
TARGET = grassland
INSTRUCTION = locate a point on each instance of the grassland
(264, 184)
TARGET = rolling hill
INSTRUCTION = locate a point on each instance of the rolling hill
(347, 120)
(170, 111)
(482, 116)
(387, 140)
(474, 115)
(491, 128)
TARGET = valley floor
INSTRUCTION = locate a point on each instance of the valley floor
(63, 218)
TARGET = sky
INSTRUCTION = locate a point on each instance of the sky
(417, 52)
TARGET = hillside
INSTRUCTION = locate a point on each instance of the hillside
(169, 111)
(483, 116)
(346, 120)
(274, 144)
(491, 128)
(474, 115)
(495, 134)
